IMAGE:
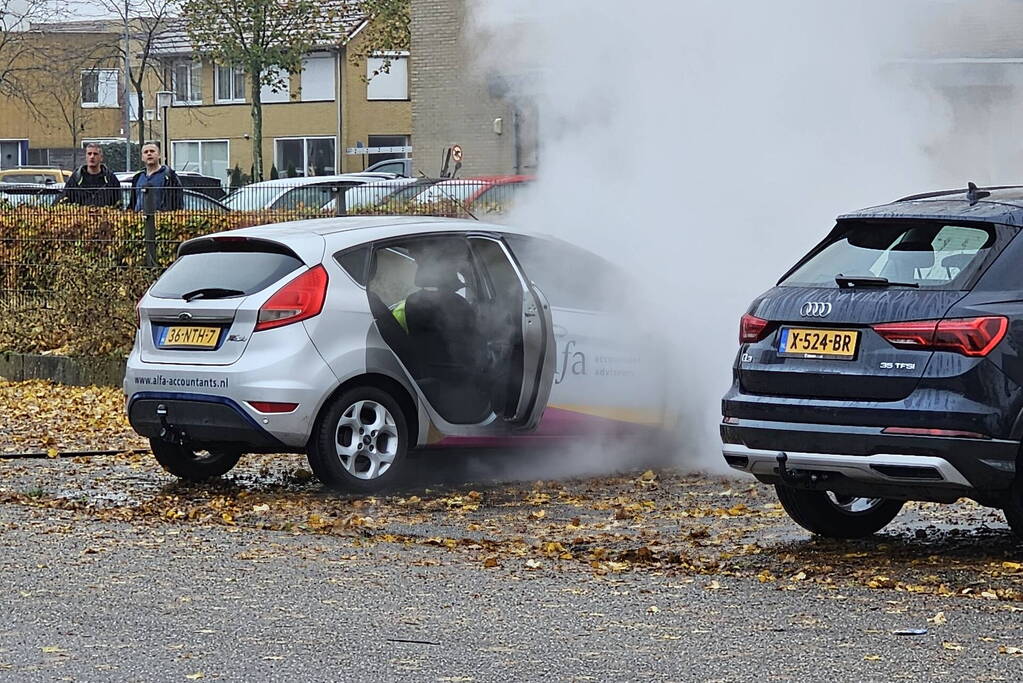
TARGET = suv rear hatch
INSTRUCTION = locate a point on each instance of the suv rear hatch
(826, 330)
(204, 308)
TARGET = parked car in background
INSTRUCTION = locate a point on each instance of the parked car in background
(402, 167)
(46, 195)
(311, 192)
(485, 193)
(37, 175)
(205, 184)
(29, 194)
(884, 366)
(371, 195)
(356, 339)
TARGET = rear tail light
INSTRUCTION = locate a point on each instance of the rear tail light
(300, 299)
(968, 336)
(270, 407)
(751, 329)
(920, 431)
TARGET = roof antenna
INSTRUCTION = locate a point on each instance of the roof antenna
(975, 195)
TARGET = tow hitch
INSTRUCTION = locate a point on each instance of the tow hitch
(169, 432)
(797, 477)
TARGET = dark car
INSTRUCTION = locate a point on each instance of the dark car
(887, 365)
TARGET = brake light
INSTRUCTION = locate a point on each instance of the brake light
(300, 299)
(969, 336)
(751, 329)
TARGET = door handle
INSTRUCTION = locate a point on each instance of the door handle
(560, 331)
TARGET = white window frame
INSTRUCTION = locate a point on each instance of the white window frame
(195, 68)
(235, 71)
(305, 150)
(99, 104)
(380, 57)
(200, 143)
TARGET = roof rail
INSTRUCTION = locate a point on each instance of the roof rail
(944, 193)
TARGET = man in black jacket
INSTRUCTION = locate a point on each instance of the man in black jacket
(157, 179)
(92, 184)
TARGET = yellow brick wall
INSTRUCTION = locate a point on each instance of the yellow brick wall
(362, 118)
(43, 123)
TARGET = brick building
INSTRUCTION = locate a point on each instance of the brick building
(454, 101)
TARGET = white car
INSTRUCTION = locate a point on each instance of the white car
(312, 192)
(356, 339)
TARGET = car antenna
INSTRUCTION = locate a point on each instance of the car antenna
(974, 194)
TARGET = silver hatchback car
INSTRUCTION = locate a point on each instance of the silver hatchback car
(356, 339)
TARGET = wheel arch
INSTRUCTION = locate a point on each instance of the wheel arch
(384, 383)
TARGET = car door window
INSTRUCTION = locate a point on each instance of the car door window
(570, 277)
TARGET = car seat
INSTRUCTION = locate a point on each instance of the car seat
(447, 344)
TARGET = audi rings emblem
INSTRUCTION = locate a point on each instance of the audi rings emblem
(815, 309)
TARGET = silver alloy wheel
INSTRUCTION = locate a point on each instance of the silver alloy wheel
(852, 504)
(366, 439)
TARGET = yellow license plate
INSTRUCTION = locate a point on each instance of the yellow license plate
(191, 337)
(815, 343)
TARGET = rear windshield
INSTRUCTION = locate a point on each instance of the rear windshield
(926, 254)
(243, 271)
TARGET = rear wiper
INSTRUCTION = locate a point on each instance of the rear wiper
(849, 281)
(211, 293)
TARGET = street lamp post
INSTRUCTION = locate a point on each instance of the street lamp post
(163, 102)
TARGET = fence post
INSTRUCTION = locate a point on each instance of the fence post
(149, 209)
(340, 209)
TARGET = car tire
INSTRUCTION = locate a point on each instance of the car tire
(193, 463)
(360, 441)
(1013, 509)
(824, 514)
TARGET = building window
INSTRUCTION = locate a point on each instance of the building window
(186, 82)
(281, 92)
(318, 78)
(39, 157)
(388, 77)
(209, 157)
(230, 84)
(99, 88)
(295, 157)
(378, 141)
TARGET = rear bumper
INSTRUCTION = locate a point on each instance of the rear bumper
(201, 419)
(863, 461)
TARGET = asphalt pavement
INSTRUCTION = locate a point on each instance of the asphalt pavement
(112, 571)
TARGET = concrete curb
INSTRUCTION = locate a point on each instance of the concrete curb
(76, 371)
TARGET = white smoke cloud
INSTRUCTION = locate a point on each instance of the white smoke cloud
(705, 146)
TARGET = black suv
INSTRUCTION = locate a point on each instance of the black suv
(887, 365)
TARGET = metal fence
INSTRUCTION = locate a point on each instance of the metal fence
(45, 240)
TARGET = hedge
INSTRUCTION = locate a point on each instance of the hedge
(70, 276)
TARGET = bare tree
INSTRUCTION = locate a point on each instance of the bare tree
(58, 90)
(266, 38)
(147, 21)
(19, 47)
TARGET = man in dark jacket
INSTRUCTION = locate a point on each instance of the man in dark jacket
(92, 184)
(157, 179)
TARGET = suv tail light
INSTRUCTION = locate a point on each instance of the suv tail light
(968, 336)
(751, 329)
(300, 299)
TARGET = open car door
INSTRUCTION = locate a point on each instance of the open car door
(531, 357)
(472, 333)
